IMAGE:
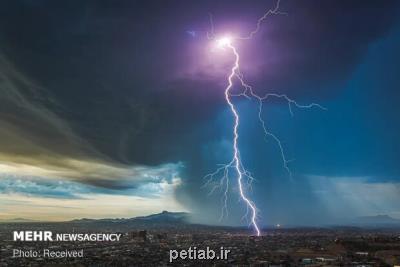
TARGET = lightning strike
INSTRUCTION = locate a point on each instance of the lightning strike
(236, 156)
(223, 42)
(244, 177)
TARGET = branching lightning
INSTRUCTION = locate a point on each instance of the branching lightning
(220, 177)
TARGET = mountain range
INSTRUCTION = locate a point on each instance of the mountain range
(181, 220)
(378, 220)
(164, 219)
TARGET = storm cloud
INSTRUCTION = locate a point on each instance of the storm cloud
(103, 94)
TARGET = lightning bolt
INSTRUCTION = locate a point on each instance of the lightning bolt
(236, 156)
(244, 177)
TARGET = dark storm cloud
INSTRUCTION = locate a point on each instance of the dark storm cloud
(321, 43)
(109, 67)
(107, 83)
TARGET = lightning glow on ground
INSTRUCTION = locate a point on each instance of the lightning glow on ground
(244, 177)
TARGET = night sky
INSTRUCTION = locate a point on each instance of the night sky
(117, 109)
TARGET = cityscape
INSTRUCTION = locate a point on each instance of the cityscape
(142, 245)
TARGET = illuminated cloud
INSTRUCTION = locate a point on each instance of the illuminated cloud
(145, 190)
(54, 183)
